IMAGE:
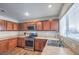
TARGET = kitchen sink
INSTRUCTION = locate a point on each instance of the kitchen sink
(55, 43)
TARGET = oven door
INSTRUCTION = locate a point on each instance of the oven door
(29, 43)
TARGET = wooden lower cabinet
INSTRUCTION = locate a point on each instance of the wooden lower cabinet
(8, 45)
(12, 43)
(39, 44)
(20, 42)
(3, 46)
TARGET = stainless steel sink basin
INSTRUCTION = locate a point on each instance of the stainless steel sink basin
(55, 43)
(52, 43)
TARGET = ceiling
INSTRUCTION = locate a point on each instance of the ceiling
(36, 10)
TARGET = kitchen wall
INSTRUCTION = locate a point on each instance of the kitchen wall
(41, 33)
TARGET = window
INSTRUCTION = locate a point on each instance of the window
(73, 19)
(63, 26)
(69, 24)
(73, 22)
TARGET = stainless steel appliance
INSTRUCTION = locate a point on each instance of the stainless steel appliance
(29, 41)
(31, 27)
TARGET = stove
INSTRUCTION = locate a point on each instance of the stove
(29, 41)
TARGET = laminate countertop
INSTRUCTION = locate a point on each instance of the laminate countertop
(48, 38)
(22, 36)
(5, 38)
(56, 50)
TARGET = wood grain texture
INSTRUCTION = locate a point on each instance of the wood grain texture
(39, 44)
(12, 43)
(3, 46)
(2, 25)
(15, 26)
(21, 51)
(46, 25)
(54, 25)
(39, 26)
(9, 26)
(20, 42)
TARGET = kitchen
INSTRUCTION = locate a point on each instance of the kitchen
(37, 32)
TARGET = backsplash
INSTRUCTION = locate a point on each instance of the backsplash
(41, 33)
(4, 34)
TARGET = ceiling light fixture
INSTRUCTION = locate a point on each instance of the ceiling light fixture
(27, 13)
(49, 6)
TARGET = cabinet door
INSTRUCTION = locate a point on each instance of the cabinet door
(9, 25)
(25, 25)
(46, 25)
(20, 27)
(20, 42)
(42, 44)
(12, 43)
(3, 46)
(39, 26)
(15, 26)
(54, 25)
(2, 25)
(39, 44)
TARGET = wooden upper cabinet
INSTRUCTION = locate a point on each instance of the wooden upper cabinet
(39, 26)
(15, 26)
(9, 25)
(2, 25)
(54, 25)
(46, 25)
(20, 27)
(25, 25)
